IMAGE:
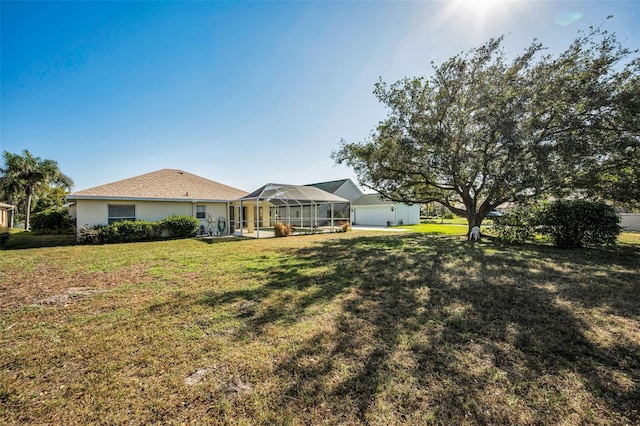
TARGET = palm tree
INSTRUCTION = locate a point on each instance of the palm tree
(28, 174)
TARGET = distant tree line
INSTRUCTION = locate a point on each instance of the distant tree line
(31, 184)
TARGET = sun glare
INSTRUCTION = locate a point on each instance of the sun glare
(478, 4)
(476, 15)
(481, 8)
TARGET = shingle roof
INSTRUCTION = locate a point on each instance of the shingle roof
(166, 184)
(370, 200)
(331, 187)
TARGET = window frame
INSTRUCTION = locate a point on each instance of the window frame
(204, 211)
(112, 219)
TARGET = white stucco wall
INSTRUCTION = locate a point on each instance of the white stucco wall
(72, 211)
(94, 212)
(381, 214)
(410, 215)
(630, 221)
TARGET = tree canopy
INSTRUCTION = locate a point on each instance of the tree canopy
(483, 130)
(23, 177)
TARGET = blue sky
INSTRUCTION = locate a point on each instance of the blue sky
(243, 93)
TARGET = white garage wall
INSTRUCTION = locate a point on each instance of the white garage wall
(373, 215)
(381, 214)
(410, 215)
(630, 221)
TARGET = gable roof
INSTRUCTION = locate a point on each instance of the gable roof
(277, 193)
(371, 200)
(165, 184)
(331, 186)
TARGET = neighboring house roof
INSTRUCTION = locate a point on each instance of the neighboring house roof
(165, 184)
(371, 200)
(277, 193)
(331, 187)
(6, 206)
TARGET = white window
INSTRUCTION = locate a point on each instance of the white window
(201, 212)
(118, 212)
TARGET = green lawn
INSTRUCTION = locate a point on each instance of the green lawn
(438, 228)
(355, 328)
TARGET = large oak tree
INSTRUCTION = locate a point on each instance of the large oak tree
(483, 130)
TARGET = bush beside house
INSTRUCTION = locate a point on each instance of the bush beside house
(131, 231)
(52, 221)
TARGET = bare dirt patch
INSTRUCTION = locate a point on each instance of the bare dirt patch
(53, 285)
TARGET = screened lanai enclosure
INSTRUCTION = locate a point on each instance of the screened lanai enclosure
(304, 208)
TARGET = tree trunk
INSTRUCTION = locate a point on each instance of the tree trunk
(27, 212)
(473, 219)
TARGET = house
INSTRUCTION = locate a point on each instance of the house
(154, 196)
(4, 214)
(371, 209)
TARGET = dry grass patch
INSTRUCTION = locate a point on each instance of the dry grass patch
(337, 329)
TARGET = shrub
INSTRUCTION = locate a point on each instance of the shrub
(179, 226)
(578, 223)
(4, 235)
(519, 225)
(282, 229)
(110, 234)
(448, 216)
(90, 235)
(52, 221)
(129, 231)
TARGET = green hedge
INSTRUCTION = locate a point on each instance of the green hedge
(179, 226)
(52, 221)
(579, 223)
(129, 231)
(569, 223)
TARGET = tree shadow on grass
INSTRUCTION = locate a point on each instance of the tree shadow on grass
(437, 329)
